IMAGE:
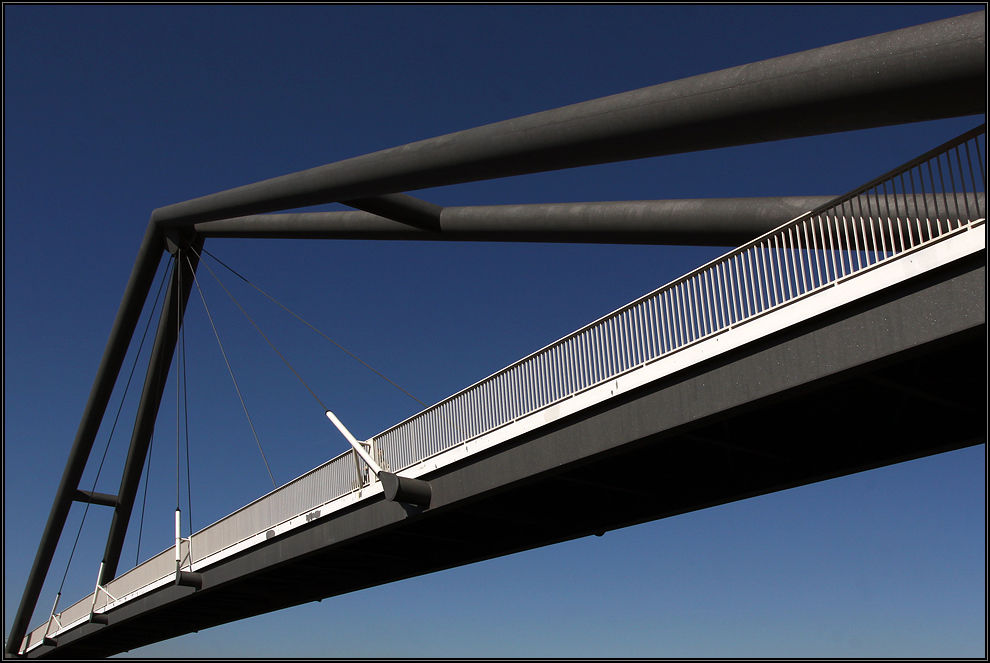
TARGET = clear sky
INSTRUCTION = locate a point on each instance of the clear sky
(111, 112)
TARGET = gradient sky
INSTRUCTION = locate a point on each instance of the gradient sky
(111, 112)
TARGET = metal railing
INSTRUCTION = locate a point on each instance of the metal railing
(916, 204)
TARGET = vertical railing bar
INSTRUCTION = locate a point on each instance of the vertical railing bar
(952, 187)
(606, 351)
(688, 311)
(931, 181)
(764, 269)
(824, 232)
(890, 225)
(785, 267)
(847, 251)
(747, 278)
(707, 324)
(924, 199)
(657, 329)
(917, 210)
(696, 308)
(744, 289)
(638, 320)
(983, 173)
(737, 314)
(625, 333)
(799, 259)
(859, 234)
(945, 200)
(670, 335)
(972, 178)
(719, 300)
(812, 241)
(962, 182)
(712, 299)
(907, 216)
(873, 234)
(675, 319)
(772, 282)
(683, 310)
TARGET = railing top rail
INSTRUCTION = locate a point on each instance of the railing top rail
(722, 258)
(917, 161)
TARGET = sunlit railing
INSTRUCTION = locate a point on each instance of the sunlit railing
(916, 204)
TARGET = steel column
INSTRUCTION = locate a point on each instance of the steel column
(151, 397)
(142, 276)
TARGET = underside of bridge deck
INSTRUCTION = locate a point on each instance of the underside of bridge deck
(897, 376)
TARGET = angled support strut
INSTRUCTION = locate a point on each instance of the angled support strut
(397, 489)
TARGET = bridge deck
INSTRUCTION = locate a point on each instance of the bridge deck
(722, 420)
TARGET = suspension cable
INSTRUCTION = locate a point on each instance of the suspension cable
(234, 380)
(114, 426)
(299, 377)
(144, 502)
(179, 365)
(185, 407)
(364, 363)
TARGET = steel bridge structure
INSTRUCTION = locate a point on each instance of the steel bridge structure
(653, 410)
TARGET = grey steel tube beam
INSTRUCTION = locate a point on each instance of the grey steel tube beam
(925, 72)
(135, 294)
(101, 499)
(697, 222)
(402, 208)
(694, 222)
(151, 397)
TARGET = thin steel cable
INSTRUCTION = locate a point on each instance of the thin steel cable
(281, 356)
(160, 388)
(363, 363)
(185, 407)
(144, 501)
(114, 426)
(229, 370)
(178, 387)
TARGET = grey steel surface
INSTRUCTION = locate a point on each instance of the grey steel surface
(135, 294)
(892, 78)
(896, 77)
(151, 397)
(698, 222)
(690, 441)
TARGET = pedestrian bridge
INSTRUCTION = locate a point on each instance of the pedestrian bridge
(851, 337)
(849, 334)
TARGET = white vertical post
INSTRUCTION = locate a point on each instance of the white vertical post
(96, 591)
(178, 541)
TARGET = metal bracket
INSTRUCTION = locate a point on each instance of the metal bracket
(184, 578)
(396, 488)
(45, 639)
(176, 240)
(95, 617)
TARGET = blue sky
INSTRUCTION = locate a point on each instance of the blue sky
(111, 112)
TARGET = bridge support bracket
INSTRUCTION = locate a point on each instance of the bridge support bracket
(189, 579)
(406, 490)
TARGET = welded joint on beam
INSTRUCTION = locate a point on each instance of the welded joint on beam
(177, 239)
(402, 208)
(89, 497)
